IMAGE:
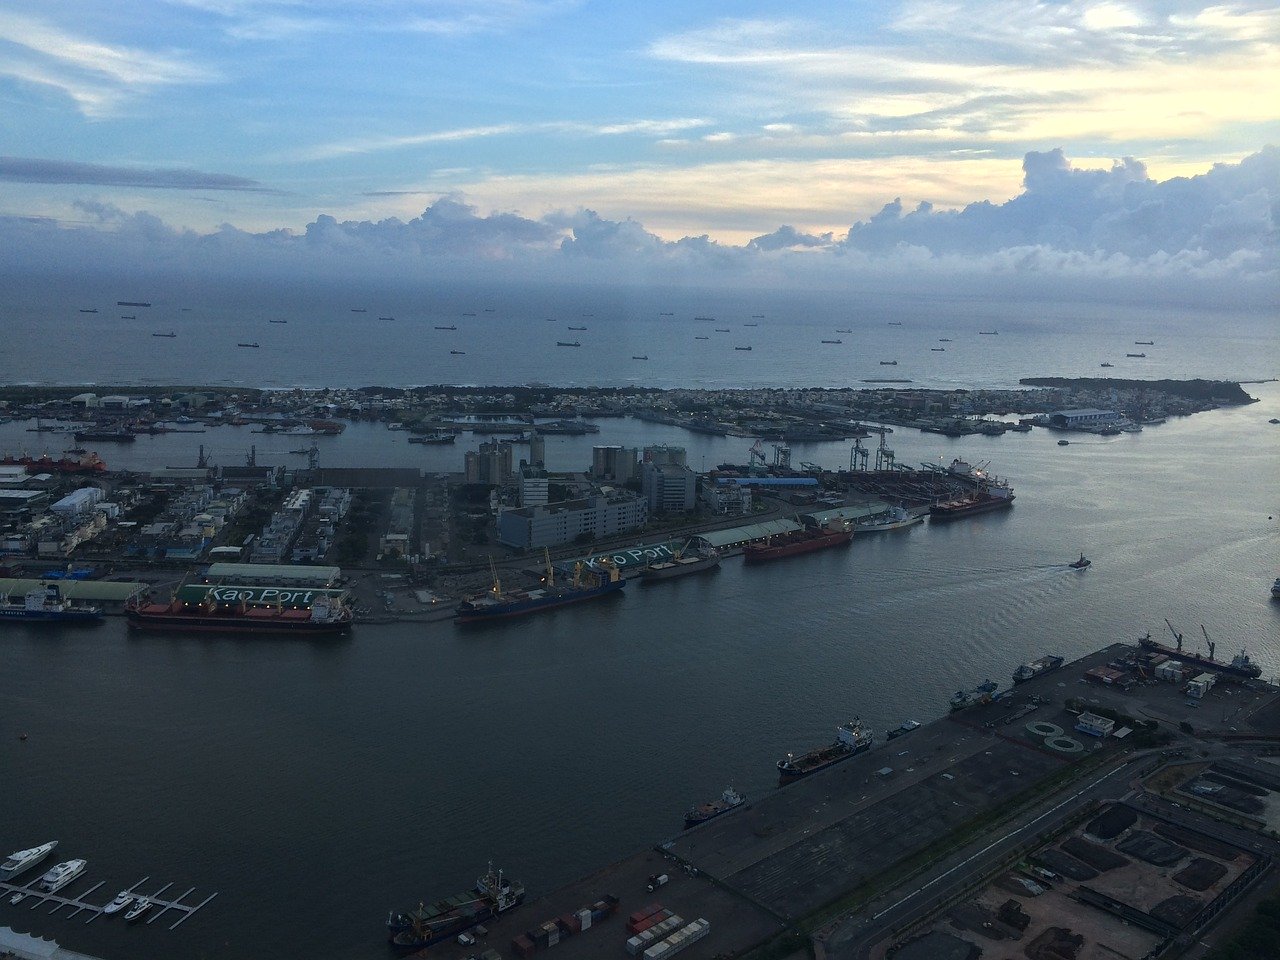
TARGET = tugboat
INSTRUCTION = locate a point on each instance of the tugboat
(492, 895)
(1081, 563)
(982, 693)
(851, 739)
(730, 800)
(48, 604)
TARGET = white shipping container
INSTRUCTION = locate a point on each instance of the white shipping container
(585, 916)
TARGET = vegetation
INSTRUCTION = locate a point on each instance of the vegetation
(1220, 390)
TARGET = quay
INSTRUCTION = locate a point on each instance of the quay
(851, 857)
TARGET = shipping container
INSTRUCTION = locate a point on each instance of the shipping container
(569, 925)
(522, 945)
(584, 918)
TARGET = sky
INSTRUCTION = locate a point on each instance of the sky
(988, 137)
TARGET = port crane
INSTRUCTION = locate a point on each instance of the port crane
(756, 457)
(859, 454)
(782, 456)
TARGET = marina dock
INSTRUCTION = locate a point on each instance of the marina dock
(80, 904)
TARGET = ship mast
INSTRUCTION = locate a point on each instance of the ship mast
(551, 573)
(497, 584)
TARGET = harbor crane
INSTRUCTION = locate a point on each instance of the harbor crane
(859, 454)
(884, 457)
(755, 456)
(782, 456)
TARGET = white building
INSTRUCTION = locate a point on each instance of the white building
(1094, 725)
(78, 502)
(534, 486)
(1083, 417)
(668, 488)
(552, 524)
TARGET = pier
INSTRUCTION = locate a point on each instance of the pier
(79, 904)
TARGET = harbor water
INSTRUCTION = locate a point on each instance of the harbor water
(318, 784)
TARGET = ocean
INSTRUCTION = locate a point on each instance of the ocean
(318, 785)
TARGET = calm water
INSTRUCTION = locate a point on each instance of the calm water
(317, 785)
(325, 344)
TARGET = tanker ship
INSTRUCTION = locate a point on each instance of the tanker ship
(48, 604)
(851, 739)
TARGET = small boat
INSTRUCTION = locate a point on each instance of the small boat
(568, 343)
(751, 324)
(1144, 343)
(169, 335)
(888, 363)
(577, 328)
(359, 310)
(721, 329)
(93, 310)
(277, 321)
(989, 333)
(127, 317)
(253, 345)
(833, 341)
(1137, 355)
(17, 897)
(702, 338)
(386, 318)
(468, 314)
(1081, 563)
(122, 900)
(450, 327)
(1063, 443)
(895, 323)
(458, 353)
(944, 339)
(757, 316)
(639, 358)
(742, 348)
(138, 909)
(1106, 364)
(938, 349)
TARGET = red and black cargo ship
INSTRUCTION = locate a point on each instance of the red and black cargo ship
(221, 609)
(797, 542)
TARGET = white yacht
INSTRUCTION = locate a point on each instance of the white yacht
(61, 875)
(25, 859)
(122, 900)
(138, 909)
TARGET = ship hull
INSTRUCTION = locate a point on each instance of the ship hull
(944, 512)
(883, 527)
(673, 570)
(759, 553)
(693, 820)
(793, 773)
(50, 616)
(520, 608)
(1038, 668)
(1199, 660)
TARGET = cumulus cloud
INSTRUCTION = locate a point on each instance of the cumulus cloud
(34, 170)
(1094, 233)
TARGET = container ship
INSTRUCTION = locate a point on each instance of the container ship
(85, 463)
(48, 604)
(797, 542)
(494, 604)
(682, 564)
(105, 436)
(492, 895)
(260, 610)
(1036, 668)
(851, 739)
(730, 800)
(1240, 667)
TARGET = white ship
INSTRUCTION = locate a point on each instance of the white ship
(61, 875)
(894, 518)
(25, 859)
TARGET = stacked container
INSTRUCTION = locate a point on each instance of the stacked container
(523, 945)
(584, 918)
(659, 931)
(636, 922)
(678, 941)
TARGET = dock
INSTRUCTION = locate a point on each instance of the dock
(80, 904)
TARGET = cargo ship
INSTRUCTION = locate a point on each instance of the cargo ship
(895, 518)
(213, 609)
(1240, 667)
(683, 563)
(84, 463)
(1036, 668)
(980, 694)
(989, 494)
(492, 895)
(48, 604)
(851, 739)
(730, 800)
(908, 726)
(435, 438)
(797, 542)
(586, 584)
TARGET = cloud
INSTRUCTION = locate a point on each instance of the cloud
(32, 170)
(98, 76)
(1112, 233)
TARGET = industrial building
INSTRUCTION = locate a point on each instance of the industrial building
(668, 488)
(617, 464)
(552, 524)
(1082, 418)
(491, 464)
